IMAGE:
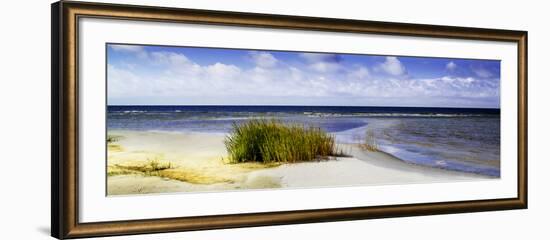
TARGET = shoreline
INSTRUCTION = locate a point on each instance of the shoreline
(196, 165)
(390, 161)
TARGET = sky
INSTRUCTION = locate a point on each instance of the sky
(165, 75)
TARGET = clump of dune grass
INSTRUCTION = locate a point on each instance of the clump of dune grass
(111, 146)
(113, 138)
(149, 167)
(369, 142)
(115, 170)
(268, 141)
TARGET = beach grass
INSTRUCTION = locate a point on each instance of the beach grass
(113, 138)
(369, 142)
(150, 167)
(271, 140)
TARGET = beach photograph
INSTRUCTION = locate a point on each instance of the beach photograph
(184, 119)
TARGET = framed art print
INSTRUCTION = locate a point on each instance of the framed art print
(168, 119)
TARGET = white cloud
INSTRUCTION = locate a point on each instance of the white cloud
(451, 66)
(481, 72)
(174, 63)
(392, 66)
(169, 58)
(325, 67)
(359, 73)
(169, 74)
(127, 48)
(460, 80)
(263, 59)
(220, 71)
(123, 83)
(139, 51)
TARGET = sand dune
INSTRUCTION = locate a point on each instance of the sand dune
(163, 162)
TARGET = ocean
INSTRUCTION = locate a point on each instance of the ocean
(457, 139)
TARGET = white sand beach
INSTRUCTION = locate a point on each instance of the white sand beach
(163, 162)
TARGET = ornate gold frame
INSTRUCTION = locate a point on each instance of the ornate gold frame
(65, 129)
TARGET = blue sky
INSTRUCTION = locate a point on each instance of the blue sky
(155, 75)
